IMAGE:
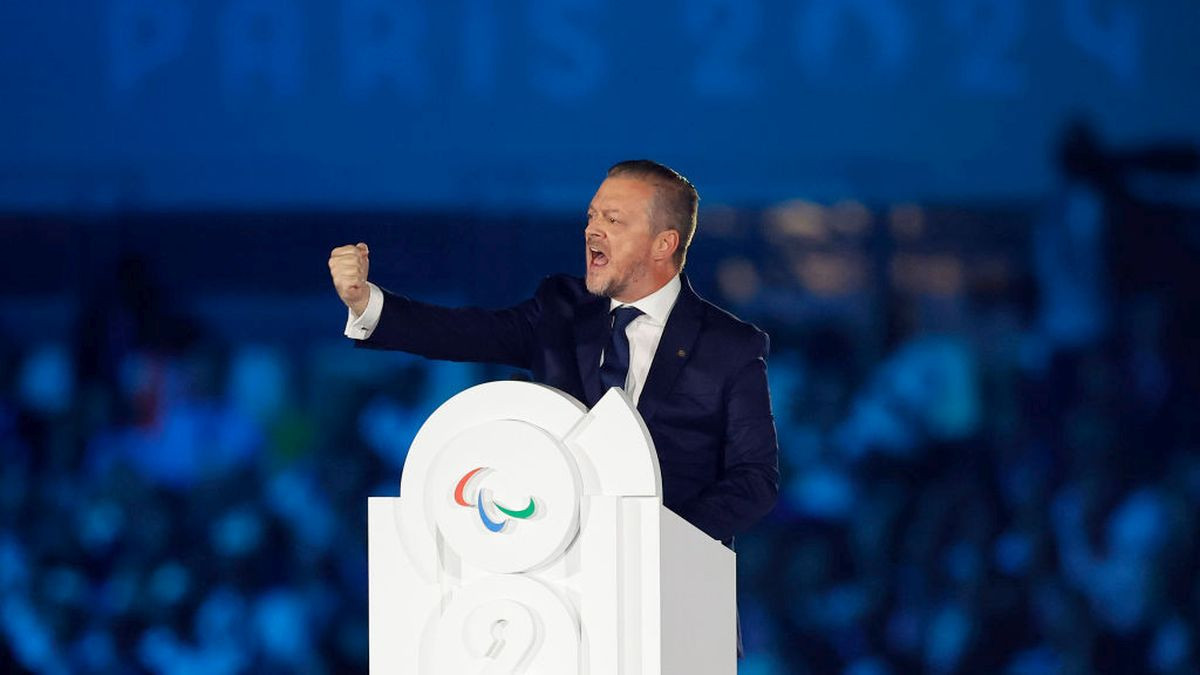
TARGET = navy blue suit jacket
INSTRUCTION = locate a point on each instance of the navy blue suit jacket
(705, 399)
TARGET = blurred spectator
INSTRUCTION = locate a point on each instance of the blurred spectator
(1007, 483)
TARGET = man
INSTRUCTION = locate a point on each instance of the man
(697, 374)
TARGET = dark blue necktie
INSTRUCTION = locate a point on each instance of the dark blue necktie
(616, 354)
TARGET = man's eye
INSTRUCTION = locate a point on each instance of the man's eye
(612, 219)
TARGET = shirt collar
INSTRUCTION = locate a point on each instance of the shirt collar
(656, 306)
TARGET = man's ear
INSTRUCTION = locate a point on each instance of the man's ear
(665, 244)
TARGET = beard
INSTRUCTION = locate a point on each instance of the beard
(601, 288)
(615, 284)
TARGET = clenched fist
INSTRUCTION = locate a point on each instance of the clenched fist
(348, 266)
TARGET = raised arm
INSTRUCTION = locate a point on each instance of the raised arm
(393, 321)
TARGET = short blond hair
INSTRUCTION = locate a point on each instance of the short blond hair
(676, 201)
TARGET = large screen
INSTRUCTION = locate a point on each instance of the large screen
(477, 104)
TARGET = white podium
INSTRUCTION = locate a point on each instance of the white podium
(530, 537)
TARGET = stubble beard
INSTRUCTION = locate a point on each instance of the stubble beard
(599, 288)
(615, 285)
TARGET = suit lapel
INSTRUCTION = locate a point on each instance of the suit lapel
(674, 349)
(591, 331)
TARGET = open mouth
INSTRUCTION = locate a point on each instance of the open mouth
(596, 257)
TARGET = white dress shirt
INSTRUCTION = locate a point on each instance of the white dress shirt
(361, 327)
(644, 332)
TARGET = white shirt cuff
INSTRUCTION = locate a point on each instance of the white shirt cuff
(361, 327)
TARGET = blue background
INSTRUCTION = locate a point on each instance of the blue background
(168, 103)
(971, 228)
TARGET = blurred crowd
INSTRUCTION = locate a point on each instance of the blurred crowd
(1012, 489)
(172, 503)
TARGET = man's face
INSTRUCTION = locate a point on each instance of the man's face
(619, 237)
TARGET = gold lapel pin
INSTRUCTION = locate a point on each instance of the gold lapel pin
(681, 353)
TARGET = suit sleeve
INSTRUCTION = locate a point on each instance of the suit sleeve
(749, 484)
(504, 336)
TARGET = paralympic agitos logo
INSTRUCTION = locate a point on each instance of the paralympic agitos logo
(482, 495)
